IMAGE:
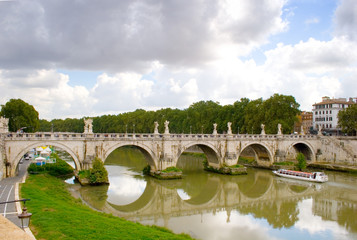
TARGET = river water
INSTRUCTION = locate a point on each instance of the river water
(212, 206)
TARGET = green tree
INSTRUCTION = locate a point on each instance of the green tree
(98, 173)
(280, 109)
(254, 116)
(301, 164)
(347, 120)
(20, 115)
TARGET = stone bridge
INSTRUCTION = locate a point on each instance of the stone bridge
(163, 150)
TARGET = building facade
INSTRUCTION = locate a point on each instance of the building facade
(325, 113)
(306, 121)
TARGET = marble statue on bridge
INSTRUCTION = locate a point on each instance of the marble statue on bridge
(88, 125)
(167, 131)
(215, 128)
(263, 129)
(156, 130)
(229, 125)
(279, 129)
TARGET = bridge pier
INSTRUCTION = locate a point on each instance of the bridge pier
(231, 156)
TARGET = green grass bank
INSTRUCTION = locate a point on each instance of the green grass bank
(56, 214)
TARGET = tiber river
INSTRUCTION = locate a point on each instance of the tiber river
(212, 206)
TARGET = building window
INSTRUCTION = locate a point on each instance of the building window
(330, 125)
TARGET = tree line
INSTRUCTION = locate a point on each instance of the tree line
(246, 116)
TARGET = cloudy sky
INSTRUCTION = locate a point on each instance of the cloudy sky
(75, 58)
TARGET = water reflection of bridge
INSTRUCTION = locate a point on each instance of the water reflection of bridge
(252, 193)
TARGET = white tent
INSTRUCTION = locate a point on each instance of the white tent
(48, 149)
(40, 161)
(39, 149)
(46, 152)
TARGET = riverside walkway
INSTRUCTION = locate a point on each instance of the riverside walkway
(10, 224)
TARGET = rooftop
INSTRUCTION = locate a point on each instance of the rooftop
(328, 100)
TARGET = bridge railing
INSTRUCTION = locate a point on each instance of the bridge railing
(130, 136)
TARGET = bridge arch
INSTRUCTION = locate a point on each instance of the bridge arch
(257, 184)
(145, 150)
(213, 156)
(139, 204)
(303, 147)
(25, 149)
(263, 154)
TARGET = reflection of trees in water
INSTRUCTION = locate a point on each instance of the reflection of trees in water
(278, 214)
(194, 184)
(346, 217)
(128, 156)
(190, 162)
(256, 184)
(94, 196)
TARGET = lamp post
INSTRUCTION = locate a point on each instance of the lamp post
(202, 129)
(190, 129)
(133, 128)
(24, 216)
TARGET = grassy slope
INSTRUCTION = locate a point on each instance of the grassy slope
(58, 215)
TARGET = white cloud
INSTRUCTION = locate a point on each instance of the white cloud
(156, 54)
(315, 224)
(346, 19)
(47, 90)
(122, 36)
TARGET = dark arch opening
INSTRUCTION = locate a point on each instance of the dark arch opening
(128, 152)
(254, 152)
(304, 149)
(210, 154)
(191, 160)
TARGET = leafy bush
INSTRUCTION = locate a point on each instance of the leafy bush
(84, 174)
(172, 169)
(301, 161)
(146, 170)
(98, 173)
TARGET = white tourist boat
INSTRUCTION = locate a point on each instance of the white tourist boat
(305, 176)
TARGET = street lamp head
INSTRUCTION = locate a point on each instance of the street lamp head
(25, 218)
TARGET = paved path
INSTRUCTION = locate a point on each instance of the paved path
(7, 193)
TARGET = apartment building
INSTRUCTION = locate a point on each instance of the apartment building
(325, 113)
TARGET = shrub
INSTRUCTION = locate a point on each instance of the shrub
(98, 173)
(172, 169)
(146, 170)
(84, 174)
(301, 161)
